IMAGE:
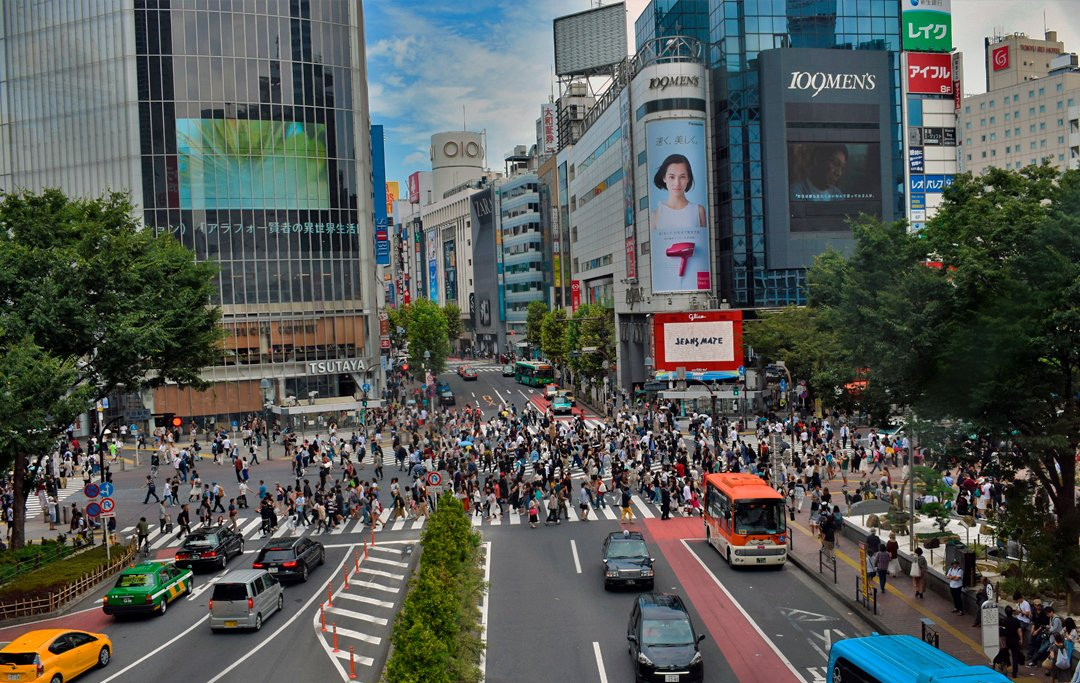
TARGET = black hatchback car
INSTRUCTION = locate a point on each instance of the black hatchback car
(663, 641)
(211, 547)
(627, 561)
(290, 558)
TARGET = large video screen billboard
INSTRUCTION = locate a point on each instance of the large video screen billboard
(248, 164)
(700, 341)
(831, 181)
(678, 205)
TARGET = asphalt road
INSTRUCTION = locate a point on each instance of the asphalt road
(547, 620)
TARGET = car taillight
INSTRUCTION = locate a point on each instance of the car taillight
(212, 553)
(149, 599)
(40, 667)
(182, 556)
(105, 600)
(290, 564)
(251, 604)
(257, 565)
(211, 606)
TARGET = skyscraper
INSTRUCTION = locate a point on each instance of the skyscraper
(243, 131)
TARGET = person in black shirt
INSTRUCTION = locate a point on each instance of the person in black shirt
(1011, 628)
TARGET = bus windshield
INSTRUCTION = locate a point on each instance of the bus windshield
(756, 517)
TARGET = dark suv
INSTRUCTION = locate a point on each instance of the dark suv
(663, 641)
(210, 547)
(626, 559)
(290, 558)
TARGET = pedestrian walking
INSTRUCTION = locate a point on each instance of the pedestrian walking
(955, 575)
(627, 511)
(918, 573)
(881, 563)
(151, 490)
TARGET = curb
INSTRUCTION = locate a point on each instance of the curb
(869, 617)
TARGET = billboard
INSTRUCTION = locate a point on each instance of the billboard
(549, 143)
(575, 295)
(999, 57)
(831, 179)
(393, 193)
(626, 122)
(244, 163)
(699, 341)
(433, 266)
(678, 201)
(450, 270)
(929, 73)
(926, 25)
(414, 187)
(588, 41)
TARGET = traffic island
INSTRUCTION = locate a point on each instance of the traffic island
(437, 636)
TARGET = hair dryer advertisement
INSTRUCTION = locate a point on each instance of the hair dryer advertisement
(678, 201)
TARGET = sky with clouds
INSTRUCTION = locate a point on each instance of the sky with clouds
(487, 64)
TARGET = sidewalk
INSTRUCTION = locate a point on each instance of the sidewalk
(898, 611)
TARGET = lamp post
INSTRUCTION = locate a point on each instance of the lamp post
(268, 400)
(791, 404)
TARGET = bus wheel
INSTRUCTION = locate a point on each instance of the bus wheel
(729, 557)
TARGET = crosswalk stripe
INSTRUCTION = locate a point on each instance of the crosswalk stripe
(389, 563)
(161, 541)
(608, 512)
(515, 518)
(573, 514)
(359, 659)
(399, 524)
(356, 635)
(339, 529)
(642, 507)
(377, 586)
(381, 621)
(419, 522)
(358, 526)
(495, 521)
(365, 599)
(283, 526)
(251, 526)
(476, 520)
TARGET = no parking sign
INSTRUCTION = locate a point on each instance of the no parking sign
(107, 506)
(434, 482)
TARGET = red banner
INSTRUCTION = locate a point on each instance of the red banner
(929, 73)
(631, 257)
(1000, 58)
(575, 295)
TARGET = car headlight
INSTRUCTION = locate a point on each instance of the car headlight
(642, 659)
(696, 659)
(647, 571)
(611, 572)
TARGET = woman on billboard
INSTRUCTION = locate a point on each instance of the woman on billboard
(679, 225)
(676, 176)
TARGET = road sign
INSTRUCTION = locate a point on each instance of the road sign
(783, 384)
(93, 510)
(137, 414)
(107, 505)
(91, 491)
(365, 387)
(990, 638)
(434, 479)
(107, 489)
(742, 370)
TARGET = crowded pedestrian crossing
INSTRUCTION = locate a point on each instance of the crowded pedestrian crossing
(33, 503)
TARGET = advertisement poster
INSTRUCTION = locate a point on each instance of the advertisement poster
(575, 295)
(1000, 58)
(831, 181)
(930, 73)
(433, 266)
(393, 193)
(413, 184)
(927, 25)
(678, 201)
(699, 342)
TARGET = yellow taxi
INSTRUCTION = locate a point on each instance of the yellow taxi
(53, 655)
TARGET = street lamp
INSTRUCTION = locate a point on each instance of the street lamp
(791, 404)
(268, 400)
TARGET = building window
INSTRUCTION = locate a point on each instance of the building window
(1059, 87)
(993, 152)
(982, 122)
(993, 137)
(1060, 104)
(984, 154)
(1008, 133)
(1061, 139)
(992, 120)
(1042, 108)
(1007, 116)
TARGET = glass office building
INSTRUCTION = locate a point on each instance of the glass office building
(522, 245)
(241, 128)
(662, 18)
(738, 31)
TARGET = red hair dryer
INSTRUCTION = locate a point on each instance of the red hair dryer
(683, 250)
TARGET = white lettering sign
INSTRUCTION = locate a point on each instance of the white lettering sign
(663, 82)
(335, 367)
(693, 343)
(818, 81)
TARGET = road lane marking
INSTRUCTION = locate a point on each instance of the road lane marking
(356, 635)
(356, 615)
(342, 654)
(501, 399)
(599, 662)
(484, 612)
(392, 563)
(317, 595)
(739, 607)
(389, 575)
(156, 650)
(365, 599)
(573, 551)
(642, 508)
(418, 523)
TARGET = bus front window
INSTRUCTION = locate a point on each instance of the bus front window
(759, 517)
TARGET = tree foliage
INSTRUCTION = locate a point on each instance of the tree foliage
(534, 320)
(592, 326)
(454, 326)
(399, 325)
(976, 319)
(94, 304)
(553, 332)
(427, 332)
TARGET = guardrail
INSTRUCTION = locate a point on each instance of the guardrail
(930, 633)
(866, 598)
(58, 598)
(826, 561)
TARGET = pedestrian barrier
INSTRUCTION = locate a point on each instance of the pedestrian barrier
(930, 633)
(867, 598)
(352, 663)
(826, 561)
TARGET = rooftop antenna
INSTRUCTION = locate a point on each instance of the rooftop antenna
(463, 126)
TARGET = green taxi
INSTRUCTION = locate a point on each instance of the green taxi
(147, 587)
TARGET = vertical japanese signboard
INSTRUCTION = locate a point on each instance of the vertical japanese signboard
(927, 25)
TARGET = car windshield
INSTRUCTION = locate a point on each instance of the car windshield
(207, 541)
(622, 549)
(134, 580)
(759, 517)
(18, 658)
(277, 555)
(661, 632)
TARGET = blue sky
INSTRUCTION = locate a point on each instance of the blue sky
(427, 58)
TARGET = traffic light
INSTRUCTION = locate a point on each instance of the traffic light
(736, 390)
(177, 422)
(404, 367)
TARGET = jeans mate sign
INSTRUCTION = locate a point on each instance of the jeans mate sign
(698, 341)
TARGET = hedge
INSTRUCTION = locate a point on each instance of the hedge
(437, 634)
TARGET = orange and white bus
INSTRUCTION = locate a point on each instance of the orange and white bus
(744, 519)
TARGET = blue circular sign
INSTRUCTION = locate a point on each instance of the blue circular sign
(366, 387)
(91, 490)
(106, 489)
(93, 510)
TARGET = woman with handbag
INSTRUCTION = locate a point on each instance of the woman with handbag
(918, 573)
(893, 548)
(1060, 658)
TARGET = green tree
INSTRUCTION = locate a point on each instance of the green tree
(399, 325)
(553, 335)
(454, 326)
(976, 320)
(427, 332)
(534, 319)
(94, 304)
(591, 327)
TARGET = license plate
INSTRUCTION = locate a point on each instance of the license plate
(761, 560)
(14, 677)
(273, 570)
(671, 678)
(230, 624)
(127, 600)
(629, 582)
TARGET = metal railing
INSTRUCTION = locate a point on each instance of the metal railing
(930, 633)
(826, 561)
(866, 598)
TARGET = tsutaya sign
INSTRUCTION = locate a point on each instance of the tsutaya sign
(818, 81)
(335, 367)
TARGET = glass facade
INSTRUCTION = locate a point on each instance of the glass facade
(522, 244)
(232, 124)
(738, 31)
(662, 18)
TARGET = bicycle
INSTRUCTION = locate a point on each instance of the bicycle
(144, 547)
